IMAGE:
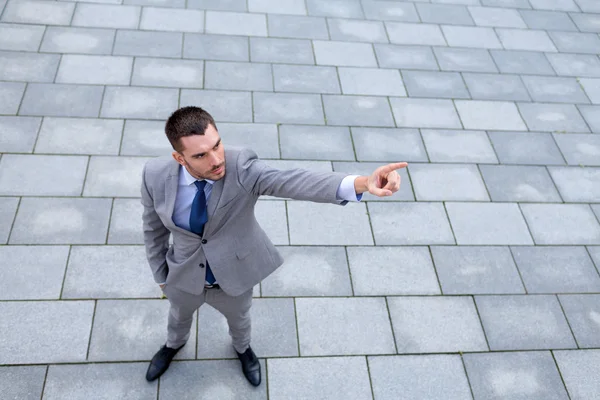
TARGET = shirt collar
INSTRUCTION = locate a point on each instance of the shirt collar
(185, 179)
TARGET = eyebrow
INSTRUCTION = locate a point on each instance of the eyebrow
(201, 154)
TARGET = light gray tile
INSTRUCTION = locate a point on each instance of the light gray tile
(586, 22)
(29, 67)
(60, 39)
(315, 143)
(125, 222)
(522, 62)
(582, 313)
(497, 17)
(274, 328)
(305, 79)
(365, 168)
(514, 148)
(577, 184)
(590, 6)
(223, 5)
(496, 87)
(519, 183)
(335, 8)
(579, 148)
(357, 31)
(592, 88)
(288, 108)
(463, 2)
(99, 70)
(405, 57)
(290, 51)
(471, 224)
(18, 134)
(524, 322)
(447, 182)
(11, 94)
(159, 3)
(38, 12)
(552, 117)
(79, 136)
(347, 54)
(521, 39)
(435, 84)
(295, 7)
(401, 144)
(145, 138)
(562, 224)
(222, 105)
(168, 73)
(61, 100)
(371, 81)
(215, 47)
(576, 368)
(444, 14)
(292, 26)
(466, 36)
(415, 34)
(555, 90)
(436, 324)
(410, 223)
(575, 42)
(416, 113)
(474, 60)
(490, 115)
(357, 111)
(507, 3)
(22, 382)
(548, 20)
(262, 138)
(138, 102)
(390, 11)
(235, 23)
(558, 5)
(8, 209)
(592, 116)
(149, 44)
(20, 37)
(577, 65)
(175, 20)
(323, 326)
(271, 215)
(35, 337)
(238, 76)
(114, 176)
(458, 146)
(107, 16)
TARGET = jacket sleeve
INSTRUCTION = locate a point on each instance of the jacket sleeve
(156, 235)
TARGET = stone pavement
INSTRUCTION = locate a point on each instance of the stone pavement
(478, 280)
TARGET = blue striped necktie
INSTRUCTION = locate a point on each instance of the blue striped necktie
(198, 217)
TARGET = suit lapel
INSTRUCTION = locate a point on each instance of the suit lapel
(171, 185)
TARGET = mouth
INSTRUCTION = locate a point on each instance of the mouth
(218, 170)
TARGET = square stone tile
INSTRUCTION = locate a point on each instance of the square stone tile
(238, 76)
(552, 117)
(405, 57)
(577, 65)
(348, 225)
(79, 136)
(114, 176)
(11, 94)
(466, 36)
(578, 369)
(296, 7)
(588, 6)
(555, 90)
(579, 148)
(384, 271)
(224, 5)
(215, 47)
(562, 224)
(59, 39)
(347, 54)
(164, 19)
(18, 134)
(582, 311)
(357, 31)
(94, 70)
(32, 272)
(524, 4)
(415, 34)
(149, 44)
(22, 382)
(476, 270)
(447, 182)
(61, 100)
(293, 26)
(548, 20)
(285, 381)
(496, 87)
(357, 111)
(436, 324)
(592, 88)
(591, 115)
(497, 17)
(435, 377)
(131, 330)
(523, 62)
(327, 267)
(168, 73)
(8, 209)
(366, 168)
(575, 42)
(38, 12)
(236, 23)
(335, 8)
(488, 224)
(524, 322)
(262, 138)
(125, 222)
(558, 5)
(98, 381)
(272, 217)
(444, 14)
(474, 60)
(107, 16)
(586, 22)
(139, 102)
(410, 223)
(490, 115)
(577, 184)
(458, 146)
(290, 51)
(514, 148)
(344, 326)
(34, 337)
(390, 11)
(61, 221)
(522, 39)
(224, 106)
(435, 84)
(525, 375)
(28, 67)
(288, 108)
(401, 144)
(416, 113)
(371, 81)
(519, 183)
(315, 143)
(145, 138)
(305, 79)
(20, 37)
(41, 175)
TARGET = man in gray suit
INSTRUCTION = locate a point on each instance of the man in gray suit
(204, 197)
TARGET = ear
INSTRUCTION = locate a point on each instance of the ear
(178, 157)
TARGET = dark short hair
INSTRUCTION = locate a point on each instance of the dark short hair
(187, 121)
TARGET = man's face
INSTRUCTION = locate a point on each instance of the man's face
(203, 155)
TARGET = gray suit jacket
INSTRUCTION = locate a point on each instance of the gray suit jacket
(238, 250)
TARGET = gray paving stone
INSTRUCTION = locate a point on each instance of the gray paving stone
(575, 64)
(149, 44)
(235, 23)
(435, 84)
(357, 111)
(61, 221)
(215, 47)
(579, 148)
(365, 168)
(346, 54)
(444, 14)
(467, 36)
(327, 383)
(596, 209)
(8, 209)
(436, 324)
(11, 94)
(138, 102)
(293, 26)
(588, 6)
(61, 100)
(98, 382)
(495, 87)
(474, 60)
(371, 81)
(522, 62)
(447, 182)
(124, 223)
(519, 183)
(131, 330)
(507, 3)
(521, 39)
(159, 3)
(288, 108)
(223, 5)
(20, 37)
(405, 57)
(582, 313)
(548, 20)
(262, 138)
(29, 67)
(295, 7)
(495, 376)
(328, 266)
(524, 322)
(513, 148)
(18, 134)
(401, 144)
(41, 175)
(562, 224)
(107, 16)
(167, 73)
(337, 225)
(344, 326)
(577, 368)
(592, 88)
(435, 377)
(476, 270)
(575, 42)
(490, 115)
(94, 69)
(586, 22)
(271, 215)
(390, 11)
(38, 12)
(34, 337)
(238, 76)
(392, 271)
(24, 382)
(591, 115)
(291, 51)
(32, 272)
(315, 143)
(464, 2)
(410, 224)
(416, 113)
(305, 79)
(335, 8)
(559, 5)
(175, 20)
(60, 39)
(577, 184)
(458, 146)
(145, 138)
(555, 90)
(552, 117)
(357, 31)
(222, 105)
(497, 17)
(114, 176)
(415, 34)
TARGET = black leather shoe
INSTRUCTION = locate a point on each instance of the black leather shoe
(160, 362)
(250, 366)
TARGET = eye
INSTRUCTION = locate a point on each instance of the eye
(217, 145)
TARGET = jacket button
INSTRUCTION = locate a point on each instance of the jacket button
(201, 265)
(204, 241)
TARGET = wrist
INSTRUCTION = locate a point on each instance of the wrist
(361, 184)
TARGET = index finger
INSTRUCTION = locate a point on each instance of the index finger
(393, 167)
